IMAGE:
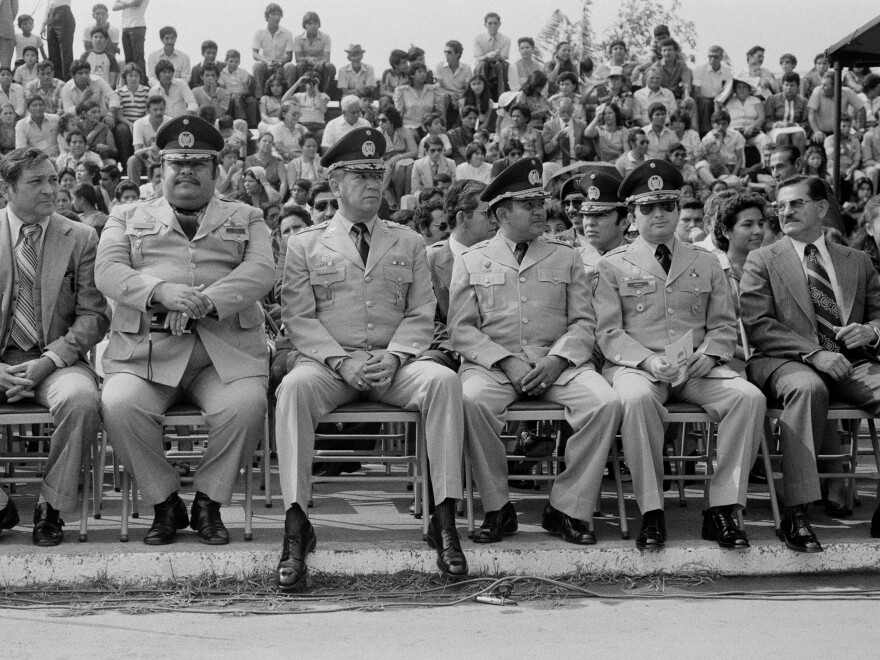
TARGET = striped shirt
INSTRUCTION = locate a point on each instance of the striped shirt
(134, 104)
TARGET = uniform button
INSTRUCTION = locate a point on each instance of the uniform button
(669, 289)
(524, 299)
(125, 287)
(640, 308)
(400, 279)
(474, 356)
(192, 245)
(696, 308)
(670, 311)
(369, 326)
(415, 344)
(697, 289)
(617, 358)
(369, 347)
(368, 279)
(525, 319)
(193, 266)
(522, 279)
(672, 331)
(369, 303)
(238, 298)
(525, 342)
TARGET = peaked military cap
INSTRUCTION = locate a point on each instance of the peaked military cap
(570, 187)
(189, 138)
(521, 181)
(359, 150)
(600, 192)
(652, 181)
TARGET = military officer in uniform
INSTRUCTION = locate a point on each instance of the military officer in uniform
(523, 322)
(571, 198)
(185, 273)
(358, 306)
(652, 293)
(603, 218)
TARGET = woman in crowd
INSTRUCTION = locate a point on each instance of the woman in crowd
(230, 171)
(533, 96)
(7, 128)
(608, 127)
(814, 162)
(747, 113)
(680, 123)
(85, 202)
(67, 179)
(477, 95)
(257, 190)
(312, 102)
(854, 78)
(677, 155)
(63, 200)
(126, 192)
(415, 100)
(867, 238)
(270, 102)
(863, 190)
(475, 165)
(289, 133)
(562, 62)
(523, 130)
(400, 150)
(264, 158)
(87, 171)
(305, 166)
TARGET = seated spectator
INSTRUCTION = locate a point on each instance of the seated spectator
(127, 192)
(38, 129)
(618, 58)
(709, 81)
(7, 128)
(728, 145)
(179, 99)
(691, 227)
(398, 74)
(28, 71)
(47, 86)
(101, 59)
(815, 162)
(463, 134)
(400, 151)
(821, 108)
(289, 133)
(786, 114)
(677, 155)
(85, 86)
(209, 56)
(561, 62)
(533, 95)
(492, 55)
(452, 77)
(304, 167)
(232, 135)
(100, 14)
(210, 94)
(296, 218)
(867, 237)
(556, 221)
(852, 209)
(523, 131)
(870, 97)
(85, 202)
(350, 119)
(144, 132)
(660, 138)
(511, 151)
(256, 188)
(871, 152)
(133, 105)
(850, 154)
(110, 176)
(11, 92)
(746, 110)
(67, 179)
(567, 85)
(271, 165)
(525, 65)
(311, 51)
(563, 139)
(64, 202)
(607, 126)
(431, 222)
(366, 97)
(88, 172)
(299, 196)
(477, 96)
(355, 75)
(230, 171)
(765, 84)
(434, 126)
(813, 79)
(322, 202)
(99, 136)
(674, 73)
(475, 166)
(273, 49)
(78, 151)
(618, 94)
(651, 93)
(313, 102)
(638, 149)
(240, 85)
(270, 102)
(153, 187)
(426, 169)
(680, 123)
(759, 177)
(418, 98)
(168, 53)
(855, 76)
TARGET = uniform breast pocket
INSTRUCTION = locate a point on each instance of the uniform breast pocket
(398, 280)
(637, 296)
(693, 290)
(235, 238)
(553, 287)
(325, 284)
(144, 241)
(490, 289)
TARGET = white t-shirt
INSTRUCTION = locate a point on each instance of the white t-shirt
(133, 17)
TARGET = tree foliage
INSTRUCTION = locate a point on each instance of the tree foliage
(636, 20)
(560, 27)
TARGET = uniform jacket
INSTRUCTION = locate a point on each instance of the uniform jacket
(143, 246)
(72, 312)
(641, 309)
(440, 261)
(333, 306)
(777, 311)
(590, 257)
(531, 310)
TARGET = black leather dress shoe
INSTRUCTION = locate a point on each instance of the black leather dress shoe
(299, 541)
(875, 523)
(205, 520)
(570, 529)
(443, 537)
(168, 517)
(720, 526)
(835, 510)
(797, 533)
(9, 516)
(653, 533)
(497, 525)
(47, 525)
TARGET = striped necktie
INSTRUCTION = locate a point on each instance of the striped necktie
(824, 303)
(24, 330)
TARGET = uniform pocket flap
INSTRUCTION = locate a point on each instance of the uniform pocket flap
(554, 276)
(250, 317)
(487, 279)
(637, 286)
(398, 274)
(126, 319)
(327, 276)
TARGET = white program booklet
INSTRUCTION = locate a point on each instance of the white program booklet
(679, 353)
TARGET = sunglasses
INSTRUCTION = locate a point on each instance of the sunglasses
(321, 206)
(648, 209)
(435, 151)
(383, 120)
(573, 202)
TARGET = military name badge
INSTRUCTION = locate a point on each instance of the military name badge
(534, 177)
(186, 140)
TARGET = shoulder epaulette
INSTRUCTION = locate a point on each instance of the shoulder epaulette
(476, 245)
(620, 249)
(555, 241)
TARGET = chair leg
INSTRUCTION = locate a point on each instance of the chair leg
(422, 451)
(419, 494)
(98, 471)
(771, 482)
(268, 437)
(679, 465)
(123, 525)
(135, 513)
(853, 426)
(621, 504)
(708, 436)
(88, 464)
(469, 489)
(248, 501)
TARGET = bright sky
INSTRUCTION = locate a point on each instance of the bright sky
(803, 27)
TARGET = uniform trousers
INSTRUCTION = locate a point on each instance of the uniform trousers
(71, 395)
(591, 408)
(311, 390)
(804, 395)
(737, 404)
(234, 414)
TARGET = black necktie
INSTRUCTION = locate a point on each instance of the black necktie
(664, 256)
(363, 247)
(189, 223)
(822, 295)
(520, 251)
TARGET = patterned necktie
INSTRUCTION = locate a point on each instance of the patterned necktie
(822, 295)
(664, 256)
(520, 251)
(24, 322)
(360, 240)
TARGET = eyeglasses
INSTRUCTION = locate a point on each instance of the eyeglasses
(576, 203)
(642, 142)
(383, 120)
(794, 205)
(441, 227)
(648, 209)
(321, 206)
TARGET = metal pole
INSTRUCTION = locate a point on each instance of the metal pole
(837, 103)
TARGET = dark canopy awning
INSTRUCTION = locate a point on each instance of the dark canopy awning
(863, 45)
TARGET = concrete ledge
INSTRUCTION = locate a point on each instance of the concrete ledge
(543, 559)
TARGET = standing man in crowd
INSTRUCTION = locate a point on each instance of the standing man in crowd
(186, 272)
(134, 29)
(59, 28)
(653, 293)
(709, 81)
(523, 323)
(811, 310)
(51, 315)
(492, 53)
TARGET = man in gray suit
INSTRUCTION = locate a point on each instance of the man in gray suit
(811, 310)
(51, 315)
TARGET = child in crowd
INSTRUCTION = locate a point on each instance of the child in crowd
(99, 136)
(435, 126)
(850, 152)
(27, 37)
(27, 71)
(231, 168)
